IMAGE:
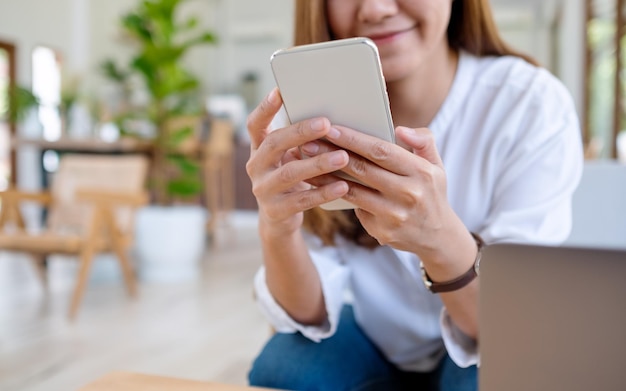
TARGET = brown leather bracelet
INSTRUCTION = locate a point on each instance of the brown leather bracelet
(459, 282)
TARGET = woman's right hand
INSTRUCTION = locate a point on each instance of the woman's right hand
(280, 177)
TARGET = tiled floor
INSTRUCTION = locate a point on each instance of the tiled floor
(204, 329)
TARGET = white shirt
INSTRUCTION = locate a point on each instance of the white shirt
(509, 138)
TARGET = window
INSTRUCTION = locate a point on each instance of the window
(47, 87)
(605, 84)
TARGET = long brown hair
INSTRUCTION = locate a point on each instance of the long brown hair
(471, 28)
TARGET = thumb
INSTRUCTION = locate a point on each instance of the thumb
(261, 117)
(422, 142)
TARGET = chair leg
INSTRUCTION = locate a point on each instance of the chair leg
(212, 184)
(41, 268)
(117, 243)
(127, 270)
(85, 260)
(10, 212)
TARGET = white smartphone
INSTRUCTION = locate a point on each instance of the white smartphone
(341, 80)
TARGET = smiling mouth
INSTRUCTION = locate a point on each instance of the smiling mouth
(389, 35)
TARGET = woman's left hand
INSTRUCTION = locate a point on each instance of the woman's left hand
(403, 200)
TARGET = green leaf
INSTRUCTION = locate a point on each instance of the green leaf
(187, 166)
(190, 24)
(178, 136)
(110, 70)
(21, 100)
(185, 187)
(203, 39)
(207, 38)
(136, 25)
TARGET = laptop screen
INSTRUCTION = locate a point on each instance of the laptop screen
(552, 318)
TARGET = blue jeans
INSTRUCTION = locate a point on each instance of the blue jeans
(347, 361)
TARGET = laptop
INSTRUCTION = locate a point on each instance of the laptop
(552, 319)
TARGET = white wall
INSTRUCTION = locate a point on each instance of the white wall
(29, 23)
(86, 32)
(251, 31)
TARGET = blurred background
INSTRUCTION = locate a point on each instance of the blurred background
(77, 78)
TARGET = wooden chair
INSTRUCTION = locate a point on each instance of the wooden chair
(219, 173)
(90, 209)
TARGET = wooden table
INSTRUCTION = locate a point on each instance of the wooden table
(126, 381)
(87, 145)
(125, 145)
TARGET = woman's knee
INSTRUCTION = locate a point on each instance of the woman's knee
(344, 361)
(291, 361)
(279, 364)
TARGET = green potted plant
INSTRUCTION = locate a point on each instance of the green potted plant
(161, 43)
(170, 237)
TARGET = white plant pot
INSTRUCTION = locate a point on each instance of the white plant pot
(170, 242)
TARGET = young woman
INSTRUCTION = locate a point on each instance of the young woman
(488, 149)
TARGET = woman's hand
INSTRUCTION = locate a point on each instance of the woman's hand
(280, 178)
(281, 183)
(402, 201)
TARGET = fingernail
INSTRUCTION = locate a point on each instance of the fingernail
(337, 158)
(273, 97)
(408, 132)
(405, 130)
(339, 188)
(318, 124)
(310, 148)
(333, 133)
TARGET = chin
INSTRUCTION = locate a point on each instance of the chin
(399, 68)
(393, 76)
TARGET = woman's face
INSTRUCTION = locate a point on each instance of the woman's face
(407, 32)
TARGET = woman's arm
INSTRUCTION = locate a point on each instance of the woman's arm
(278, 177)
(403, 204)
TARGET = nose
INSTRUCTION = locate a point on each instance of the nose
(374, 11)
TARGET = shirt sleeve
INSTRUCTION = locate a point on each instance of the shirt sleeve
(334, 277)
(532, 198)
(462, 349)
